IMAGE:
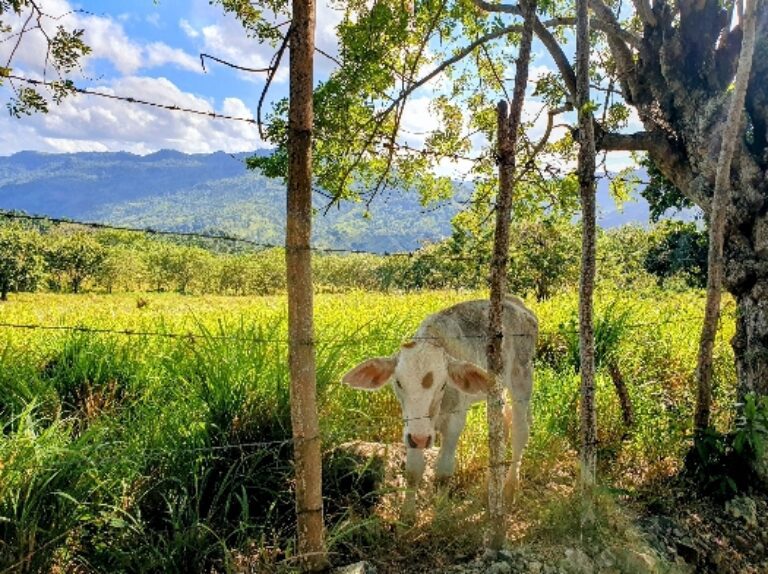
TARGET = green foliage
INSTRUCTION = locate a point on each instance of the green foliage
(64, 51)
(21, 263)
(73, 257)
(543, 261)
(611, 326)
(661, 193)
(252, 16)
(679, 249)
(725, 464)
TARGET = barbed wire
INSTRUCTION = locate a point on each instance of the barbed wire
(479, 260)
(8, 214)
(344, 339)
(130, 99)
(242, 339)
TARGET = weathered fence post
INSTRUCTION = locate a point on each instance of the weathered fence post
(301, 350)
(507, 129)
(496, 443)
(586, 173)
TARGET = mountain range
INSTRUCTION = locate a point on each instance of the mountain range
(214, 192)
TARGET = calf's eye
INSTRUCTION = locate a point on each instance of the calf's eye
(398, 383)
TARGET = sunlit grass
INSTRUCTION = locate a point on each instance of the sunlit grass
(143, 453)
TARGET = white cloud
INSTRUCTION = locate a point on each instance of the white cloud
(418, 120)
(226, 40)
(98, 124)
(188, 29)
(158, 54)
(154, 19)
(104, 35)
(617, 160)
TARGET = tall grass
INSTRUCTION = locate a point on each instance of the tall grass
(147, 454)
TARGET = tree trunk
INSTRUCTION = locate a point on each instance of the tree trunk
(750, 344)
(498, 275)
(586, 173)
(731, 134)
(627, 412)
(508, 127)
(301, 350)
(4, 288)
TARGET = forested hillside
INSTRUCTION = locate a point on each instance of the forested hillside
(214, 192)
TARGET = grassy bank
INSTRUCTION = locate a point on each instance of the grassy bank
(148, 452)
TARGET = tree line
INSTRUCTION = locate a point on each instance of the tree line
(543, 260)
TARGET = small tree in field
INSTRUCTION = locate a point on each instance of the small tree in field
(21, 264)
(74, 258)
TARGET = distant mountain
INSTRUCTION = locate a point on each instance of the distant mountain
(214, 192)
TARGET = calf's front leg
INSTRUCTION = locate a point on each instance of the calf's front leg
(414, 470)
(450, 431)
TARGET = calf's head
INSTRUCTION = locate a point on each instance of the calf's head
(420, 373)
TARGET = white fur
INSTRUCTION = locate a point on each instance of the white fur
(450, 342)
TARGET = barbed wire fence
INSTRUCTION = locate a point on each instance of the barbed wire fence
(361, 426)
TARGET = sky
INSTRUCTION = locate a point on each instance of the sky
(150, 49)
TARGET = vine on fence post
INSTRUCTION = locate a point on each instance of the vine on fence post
(508, 127)
(301, 349)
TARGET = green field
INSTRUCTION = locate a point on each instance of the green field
(147, 452)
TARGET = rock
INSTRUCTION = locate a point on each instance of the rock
(576, 561)
(640, 562)
(362, 567)
(499, 568)
(743, 507)
(605, 560)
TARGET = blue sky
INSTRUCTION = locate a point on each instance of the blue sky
(150, 49)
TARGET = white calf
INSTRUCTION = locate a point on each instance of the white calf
(439, 374)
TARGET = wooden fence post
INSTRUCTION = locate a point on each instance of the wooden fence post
(586, 174)
(301, 350)
(507, 129)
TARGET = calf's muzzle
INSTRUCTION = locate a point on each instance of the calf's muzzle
(419, 441)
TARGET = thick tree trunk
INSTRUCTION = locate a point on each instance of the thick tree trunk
(301, 350)
(731, 135)
(750, 344)
(586, 172)
(4, 288)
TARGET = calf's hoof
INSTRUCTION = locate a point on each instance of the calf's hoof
(511, 490)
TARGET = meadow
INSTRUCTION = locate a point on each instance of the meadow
(165, 447)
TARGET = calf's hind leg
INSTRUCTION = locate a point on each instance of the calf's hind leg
(519, 433)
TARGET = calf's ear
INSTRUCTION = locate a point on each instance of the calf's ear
(372, 374)
(468, 377)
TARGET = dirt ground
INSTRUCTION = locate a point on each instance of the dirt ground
(661, 527)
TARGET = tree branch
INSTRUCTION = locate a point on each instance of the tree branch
(644, 10)
(619, 41)
(561, 60)
(639, 141)
(609, 25)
